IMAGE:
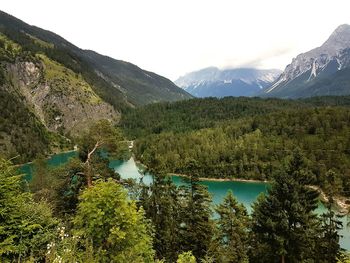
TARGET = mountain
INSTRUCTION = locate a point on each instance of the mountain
(318, 72)
(52, 89)
(117, 82)
(213, 82)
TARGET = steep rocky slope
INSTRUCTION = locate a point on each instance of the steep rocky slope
(60, 98)
(119, 83)
(321, 71)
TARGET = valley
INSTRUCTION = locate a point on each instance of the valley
(104, 161)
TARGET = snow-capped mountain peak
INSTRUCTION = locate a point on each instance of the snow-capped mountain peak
(310, 66)
(227, 82)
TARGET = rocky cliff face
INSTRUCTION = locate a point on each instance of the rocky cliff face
(61, 99)
(41, 100)
(308, 68)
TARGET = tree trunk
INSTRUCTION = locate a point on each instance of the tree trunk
(88, 174)
(282, 259)
(88, 166)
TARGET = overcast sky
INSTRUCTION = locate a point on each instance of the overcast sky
(175, 37)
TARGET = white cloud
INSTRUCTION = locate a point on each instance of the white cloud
(175, 37)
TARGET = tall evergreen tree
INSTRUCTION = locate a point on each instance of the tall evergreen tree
(231, 242)
(284, 223)
(160, 201)
(328, 248)
(196, 227)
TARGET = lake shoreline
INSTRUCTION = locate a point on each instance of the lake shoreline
(206, 178)
(47, 157)
(340, 204)
(222, 179)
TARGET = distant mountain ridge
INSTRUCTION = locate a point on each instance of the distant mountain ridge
(318, 72)
(213, 82)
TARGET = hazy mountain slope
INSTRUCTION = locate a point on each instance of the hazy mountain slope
(139, 86)
(116, 82)
(213, 82)
(318, 72)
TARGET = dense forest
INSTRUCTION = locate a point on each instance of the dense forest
(245, 138)
(197, 114)
(84, 212)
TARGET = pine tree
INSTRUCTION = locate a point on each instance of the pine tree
(284, 223)
(232, 226)
(196, 228)
(160, 201)
(328, 248)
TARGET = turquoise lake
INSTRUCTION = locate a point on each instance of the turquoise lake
(245, 192)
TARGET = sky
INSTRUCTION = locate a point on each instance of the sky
(174, 37)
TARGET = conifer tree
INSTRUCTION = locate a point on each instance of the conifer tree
(284, 222)
(160, 201)
(232, 225)
(328, 247)
(196, 227)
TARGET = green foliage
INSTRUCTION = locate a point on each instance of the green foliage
(254, 147)
(197, 226)
(344, 258)
(42, 184)
(66, 247)
(25, 226)
(60, 186)
(195, 114)
(118, 231)
(231, 241)
(186, 257)
(328, 247)
(285, 226)
(161, 205)
(21, 133)
(100, 135)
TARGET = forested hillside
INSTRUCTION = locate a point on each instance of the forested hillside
(245, 138)
(19, 128)
(196, 114)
